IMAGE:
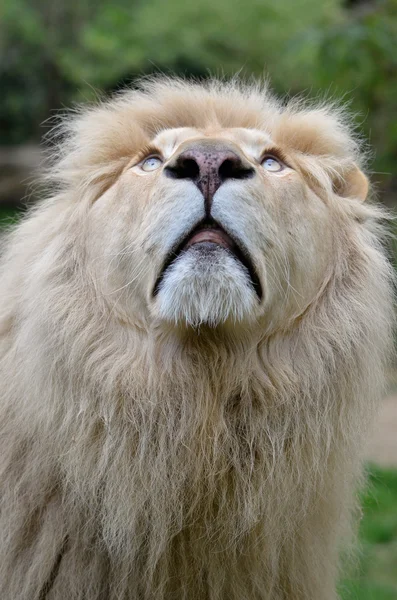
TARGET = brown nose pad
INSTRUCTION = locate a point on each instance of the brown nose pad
(208, 168)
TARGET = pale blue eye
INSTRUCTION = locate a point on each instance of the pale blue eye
(271, 164)
(151, 164)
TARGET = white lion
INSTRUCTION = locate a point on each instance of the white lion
(194, 329)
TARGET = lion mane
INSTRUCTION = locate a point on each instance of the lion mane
(141, 460)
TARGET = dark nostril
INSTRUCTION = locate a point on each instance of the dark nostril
(185, 168)
(233, 169)
(208, 168)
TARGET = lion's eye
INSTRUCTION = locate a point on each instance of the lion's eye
(272, 164)
(151, 164)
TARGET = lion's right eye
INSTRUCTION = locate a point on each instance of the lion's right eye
(151, 163)
(270, 163)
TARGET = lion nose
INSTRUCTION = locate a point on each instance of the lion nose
(208, 166)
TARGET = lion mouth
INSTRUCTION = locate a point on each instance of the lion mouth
(209, 232)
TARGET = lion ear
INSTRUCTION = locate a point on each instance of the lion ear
(353, 184)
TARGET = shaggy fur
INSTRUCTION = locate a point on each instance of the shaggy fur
(145, 458)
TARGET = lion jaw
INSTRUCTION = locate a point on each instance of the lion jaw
(206, 284)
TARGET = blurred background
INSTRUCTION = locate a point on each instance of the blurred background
(54, 53)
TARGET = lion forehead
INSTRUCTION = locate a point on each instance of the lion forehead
(251, 141)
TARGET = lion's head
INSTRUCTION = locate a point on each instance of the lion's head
(215, 205)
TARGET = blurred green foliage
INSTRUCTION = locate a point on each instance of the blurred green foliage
(55, 52)
(376, 576)
(9, 217)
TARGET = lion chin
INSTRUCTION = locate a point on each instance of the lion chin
(207, 286)
(194, 332)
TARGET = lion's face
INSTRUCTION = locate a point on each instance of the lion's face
(210, 227)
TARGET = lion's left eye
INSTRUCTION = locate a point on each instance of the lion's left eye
(151, 164)
(272, 164)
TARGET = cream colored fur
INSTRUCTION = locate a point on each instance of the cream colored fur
(149, 452)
